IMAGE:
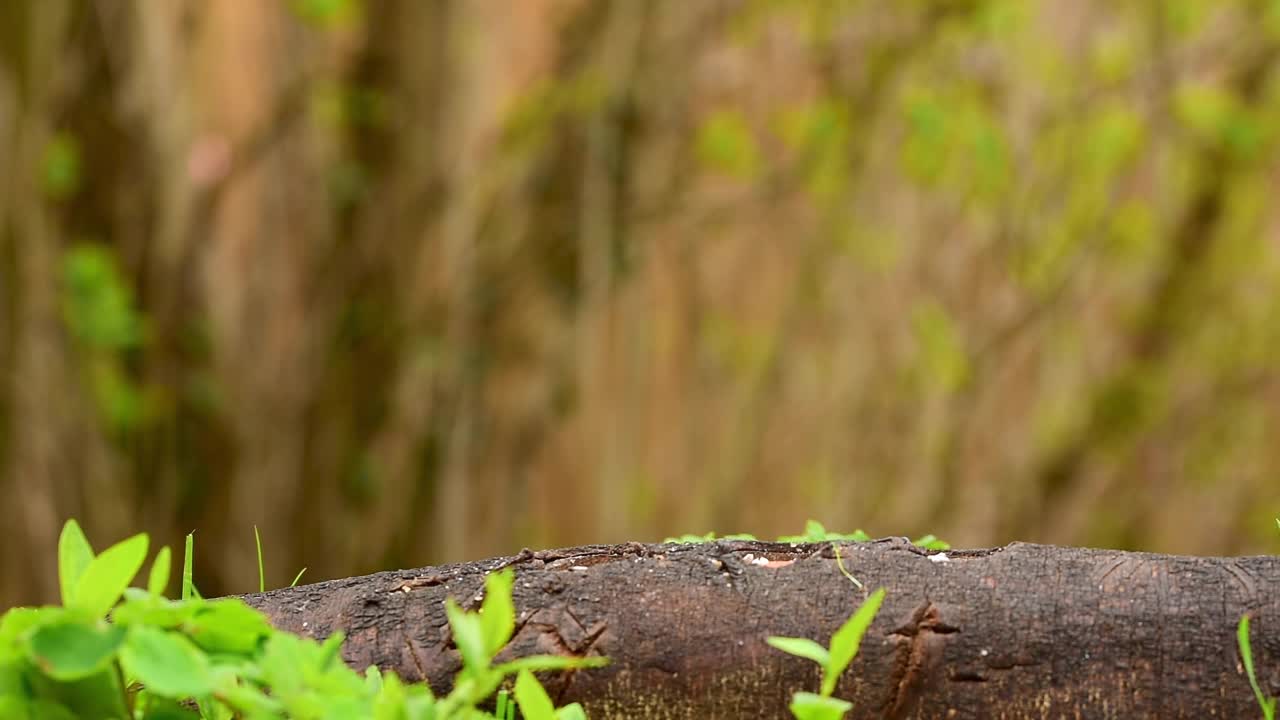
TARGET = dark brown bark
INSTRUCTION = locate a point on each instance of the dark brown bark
(1019, 631)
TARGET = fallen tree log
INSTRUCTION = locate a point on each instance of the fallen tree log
(1021, 631)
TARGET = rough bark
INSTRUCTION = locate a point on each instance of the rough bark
(1019, 631)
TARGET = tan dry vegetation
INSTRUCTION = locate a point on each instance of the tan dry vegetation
(436, 280)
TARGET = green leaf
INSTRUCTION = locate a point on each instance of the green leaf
(801, 647)
(62, 166)
(139, 608)
(16, 622)
(74, 555)
(13, 708)
(159, 578)
(846, 641)
(106, 577)
(572, 711)
(159, 708)
(534, 702)
(498, 613)
(167, 663)
(931, 542)
(71, 650)
(468, 635)
(807, 706)
(227, 626)
(96, 696)
(727, 144)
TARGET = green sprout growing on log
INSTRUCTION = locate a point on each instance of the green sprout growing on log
(833, 661)
(1268, 704)
(115, 652)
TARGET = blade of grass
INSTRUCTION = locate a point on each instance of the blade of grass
(840, 564)
(188, 588)
(257, 540)
(1268, 705)
(297, 577)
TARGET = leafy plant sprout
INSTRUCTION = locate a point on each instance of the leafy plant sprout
(833, 660)
(192, 658)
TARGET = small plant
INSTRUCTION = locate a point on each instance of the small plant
(1267, 704)
(160, 659)
(833, 661)
(814, 532)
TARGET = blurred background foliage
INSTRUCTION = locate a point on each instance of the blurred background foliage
(412, 281)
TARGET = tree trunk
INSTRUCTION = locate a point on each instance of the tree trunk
(1019, 631)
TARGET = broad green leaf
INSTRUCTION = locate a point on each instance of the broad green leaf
(573, 711)
(807, 706)
(106, 577)
(74, 555)
(96, 696)
(71, 650)
(141, 608)
(801, 647)
(14, 708)
(498, 613)
(846, 641)
(167, 663)
(159, 578)
(931, 542)
(13, 678)
(159, 708)
(468, 635)
(16, 622)
(227, 626)
(247, 699)
(534, 702)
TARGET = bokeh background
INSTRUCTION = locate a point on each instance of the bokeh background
(410, 281)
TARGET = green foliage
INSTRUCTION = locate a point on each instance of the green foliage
(115, 652)
(62, 173)
(833, 660)
(708, 537)
(98, 310)
(325, 13)
(726, 144)
(942, 359)
(97, 304)
(814, 532)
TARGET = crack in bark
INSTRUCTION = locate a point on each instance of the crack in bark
(919, 648)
